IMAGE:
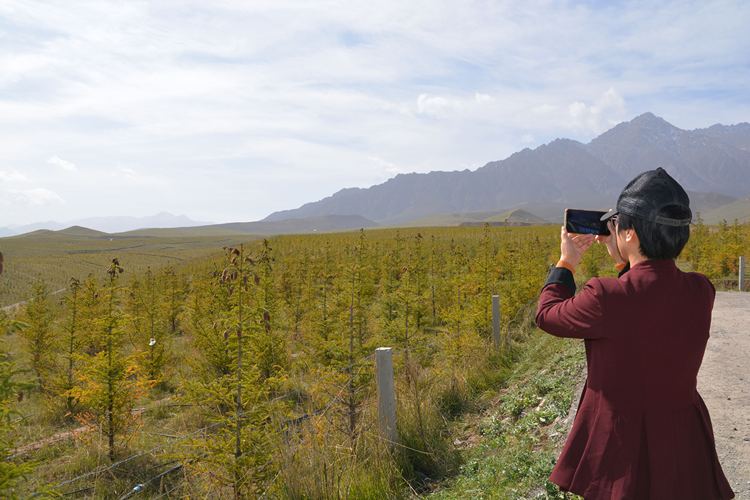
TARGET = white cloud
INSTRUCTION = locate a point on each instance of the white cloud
(543, 108)
(479, 97)
(135, 177)
(388, 167)
(12, 176)
(18, 192)
(608, 110)
(39, 196)
(63, 164)
(24, 198)
(267, 105)
(436, 105)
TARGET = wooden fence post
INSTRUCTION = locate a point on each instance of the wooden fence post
(741, 273)
(386, 394)
(496, 321)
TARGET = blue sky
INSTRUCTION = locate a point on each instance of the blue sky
(227, 111)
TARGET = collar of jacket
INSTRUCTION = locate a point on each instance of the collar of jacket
(654, 264)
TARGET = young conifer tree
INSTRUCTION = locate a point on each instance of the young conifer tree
(238, 452)
(271, 356)
(154, 342)
(4, 323)
(325, 343)
(433, 279)
(110, 383)
(409, 294)
(356, 273)
(486, 278)
(174, 297)
(208, 298)
(38, 334)
(302, 280)
(90, 314)
(10, 471)
(72, 344)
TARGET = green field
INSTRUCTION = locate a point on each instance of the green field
(252, 373)
(56, 256)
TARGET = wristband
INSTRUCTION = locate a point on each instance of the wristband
(567, 265)
(620, 265)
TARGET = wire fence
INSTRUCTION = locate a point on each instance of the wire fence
(176, 465)
(143, 485)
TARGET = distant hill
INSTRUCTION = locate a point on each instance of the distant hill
(738, 209)
(712, 164)
(517, 215)
(83, 232)
(332, 222)
(73, 232)
(478, 218)
(114, 224)
(325, 223)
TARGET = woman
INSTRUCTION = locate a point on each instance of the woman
(642, 431)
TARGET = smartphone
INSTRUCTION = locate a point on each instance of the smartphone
(585, 221)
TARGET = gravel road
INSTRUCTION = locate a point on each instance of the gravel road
(724, 384)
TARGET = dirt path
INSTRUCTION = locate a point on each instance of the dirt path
(74, 433)
(724, 384)
(15, 306)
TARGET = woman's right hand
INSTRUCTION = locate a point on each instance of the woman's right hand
(611, 243)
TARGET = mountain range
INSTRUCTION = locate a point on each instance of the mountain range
(531, 186)
(712, 164)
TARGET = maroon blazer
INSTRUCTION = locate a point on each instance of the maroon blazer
(642, 431)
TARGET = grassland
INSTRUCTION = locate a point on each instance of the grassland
(510, 447)
(56, 256)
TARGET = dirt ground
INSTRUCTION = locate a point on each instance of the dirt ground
(724, 384)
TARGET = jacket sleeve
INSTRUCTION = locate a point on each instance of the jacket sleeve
(563, 314)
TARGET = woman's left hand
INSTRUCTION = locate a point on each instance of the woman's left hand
(572, 246)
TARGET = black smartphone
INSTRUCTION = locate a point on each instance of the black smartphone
(585, 222)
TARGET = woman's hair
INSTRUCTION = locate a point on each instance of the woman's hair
(658, 241)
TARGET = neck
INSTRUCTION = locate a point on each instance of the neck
(636, 259)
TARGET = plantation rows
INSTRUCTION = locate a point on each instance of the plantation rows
(253, 375)
(55, 258)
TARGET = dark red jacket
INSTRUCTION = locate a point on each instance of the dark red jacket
(642, 431)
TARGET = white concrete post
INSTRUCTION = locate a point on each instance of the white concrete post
(386, 393)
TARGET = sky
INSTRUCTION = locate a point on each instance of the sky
(228, 111)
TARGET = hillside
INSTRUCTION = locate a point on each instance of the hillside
(738, 209)
(508, 216)
(82, 232)
(321, 224)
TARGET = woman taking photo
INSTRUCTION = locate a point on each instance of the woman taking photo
(642, 431)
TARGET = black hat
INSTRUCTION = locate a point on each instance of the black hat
(648, 194)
